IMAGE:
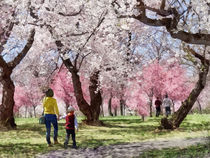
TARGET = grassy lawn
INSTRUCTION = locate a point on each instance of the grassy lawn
(29, 138)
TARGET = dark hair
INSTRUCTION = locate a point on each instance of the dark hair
(166, 95)
(49, 93)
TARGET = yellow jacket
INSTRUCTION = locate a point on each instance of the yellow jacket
(50, 106)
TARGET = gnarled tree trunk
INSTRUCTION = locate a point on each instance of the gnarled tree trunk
(7, 118)
(91, 111)
(110, 106)
(187, 105)
(95, 97)
(81, 102)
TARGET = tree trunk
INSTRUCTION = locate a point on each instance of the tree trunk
(26, 109)
(115, 111)
(142, 117)
(122, 107)
(102, 109)
(186, 106)
(34, 107)
(110, 106)
(30, 113)
(150, 107)
(95, 97)
(199, 105)
(6, 113)
(91, 111)
(173, 106)
(81, 102)
(66, 106)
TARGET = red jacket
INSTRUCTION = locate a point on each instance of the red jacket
(158, 103)
(70, 121)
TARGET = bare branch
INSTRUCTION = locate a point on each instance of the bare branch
(171, 25)
(69, 65)
(193, 52)
(32, 11)
(78, 34)
(75, 61)
(197, 38)
(83, 60)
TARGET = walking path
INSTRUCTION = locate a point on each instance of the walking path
(123, 150)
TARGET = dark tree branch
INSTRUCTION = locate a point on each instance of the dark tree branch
(69, 65)
(32, 11)
(6, 33)
(3, 64)
(171, 25)
(67, 62)
(25, 50)
(78, 34)
(193, 52)
(163, 4)
(75, 61)
(115, 2)
(83, 60)
(101, 19)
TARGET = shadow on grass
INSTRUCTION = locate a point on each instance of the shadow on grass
(40, 128)
(95, 143)
(186, 126)
(22, 149)
(132, 120)
(131, 124)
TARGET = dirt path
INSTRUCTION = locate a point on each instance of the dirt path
(124, 150)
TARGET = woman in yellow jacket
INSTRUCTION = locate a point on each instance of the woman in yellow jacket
(50, 112)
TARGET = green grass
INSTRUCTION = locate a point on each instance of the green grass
(29, 137)
(196, 151)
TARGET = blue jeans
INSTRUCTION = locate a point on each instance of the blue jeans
(51, 118)
(168, 111)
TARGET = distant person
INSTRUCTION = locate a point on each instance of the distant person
(71, 124)
(167, 103)
(157, 106)
(50, 111)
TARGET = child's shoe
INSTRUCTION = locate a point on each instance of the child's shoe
(49, 145)
(56, 142)
(74, 146)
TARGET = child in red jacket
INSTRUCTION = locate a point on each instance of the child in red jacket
(71, 124)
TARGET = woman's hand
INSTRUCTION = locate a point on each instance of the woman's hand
(58, 117)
